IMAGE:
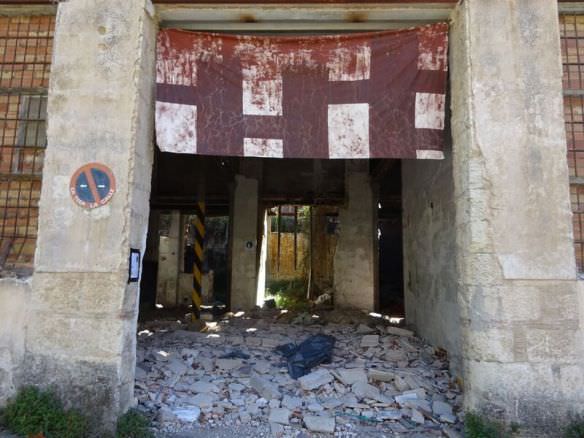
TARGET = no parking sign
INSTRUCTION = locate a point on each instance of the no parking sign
(92, 185)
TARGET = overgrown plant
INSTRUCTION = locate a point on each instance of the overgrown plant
(133, 424)
(40, 413)
(476, 426)
(289, 295)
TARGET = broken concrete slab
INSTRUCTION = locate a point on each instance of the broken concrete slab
(228, 364)
(363, 329)
(203, 400)
(265, 388)
(291, 402)
(448, 418)
(390, 414)
(350, 376)
(391, 330)
(187, 414)
(380, 375)
(203, 387)
(317, 423)
(365, 391)
(369, 341)
(315, 379)
(279, 415)
(441, 408)
(417, 417)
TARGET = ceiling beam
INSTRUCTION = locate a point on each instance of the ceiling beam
(300, 17)
(249, 2)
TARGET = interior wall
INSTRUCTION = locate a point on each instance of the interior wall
(429, 253)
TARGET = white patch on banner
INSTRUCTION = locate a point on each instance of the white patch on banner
(432, 49)
(432, 60)
(422, 154)
(430, 110)
(261, 96)
(350, 65)
(348, 130)
(176, 127)
(263, 147)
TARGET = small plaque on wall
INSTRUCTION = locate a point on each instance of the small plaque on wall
(134, 269)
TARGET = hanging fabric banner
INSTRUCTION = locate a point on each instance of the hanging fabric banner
(365, 95)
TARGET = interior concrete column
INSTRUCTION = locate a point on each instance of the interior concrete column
(244, 243)
(167, 280)
(521, 317)
(81, 328)
(354, 263)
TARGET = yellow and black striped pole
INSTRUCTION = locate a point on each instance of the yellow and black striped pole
(198, 265)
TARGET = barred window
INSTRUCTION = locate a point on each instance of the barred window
(25, 56)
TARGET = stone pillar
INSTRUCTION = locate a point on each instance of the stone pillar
(244, 248)
(81, 329)
(167, 280)
(521, 317)
(14, 299)
(354, 263)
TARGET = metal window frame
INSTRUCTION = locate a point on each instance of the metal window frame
(23, 154)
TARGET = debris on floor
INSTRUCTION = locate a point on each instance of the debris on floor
(378, 379)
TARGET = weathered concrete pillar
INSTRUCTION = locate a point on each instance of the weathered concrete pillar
(354, 264)
(167, 280)
(14, 298)
(521, 315)
(244, 238)
(81, 324)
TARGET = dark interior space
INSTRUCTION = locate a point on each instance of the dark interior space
(178, 181)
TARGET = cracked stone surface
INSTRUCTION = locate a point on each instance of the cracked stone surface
(229, 379)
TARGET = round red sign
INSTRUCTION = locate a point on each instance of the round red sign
(92, 185)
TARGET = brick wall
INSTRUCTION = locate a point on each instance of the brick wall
(572, 34)
(25, 56)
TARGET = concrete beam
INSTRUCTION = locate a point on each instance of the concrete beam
(301, 17)
(12, 10)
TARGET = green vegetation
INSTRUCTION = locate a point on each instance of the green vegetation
(476, 426)
(575, 429)
(133, 424)
(37, 412)
(289, 295)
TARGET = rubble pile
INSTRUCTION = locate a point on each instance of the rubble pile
(380, 379)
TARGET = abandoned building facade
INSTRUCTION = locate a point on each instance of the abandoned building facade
(481, 248)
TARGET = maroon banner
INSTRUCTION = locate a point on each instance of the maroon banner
(365, 95)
